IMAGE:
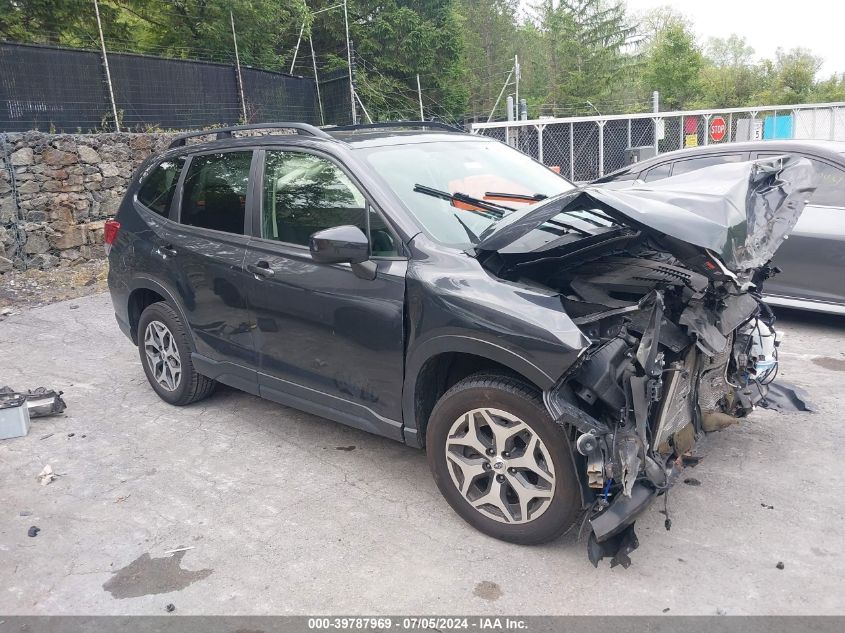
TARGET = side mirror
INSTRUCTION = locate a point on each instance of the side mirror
(340, 245)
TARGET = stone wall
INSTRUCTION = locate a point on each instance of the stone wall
(57, 190)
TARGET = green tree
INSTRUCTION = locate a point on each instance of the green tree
(730, 77)
(64, 22)
(789, 78)
(491, 39)
(672, 66)
(394, 40)
(585, 44)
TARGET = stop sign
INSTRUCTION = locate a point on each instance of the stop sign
(718, 128)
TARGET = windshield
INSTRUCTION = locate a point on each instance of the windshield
(472, 168)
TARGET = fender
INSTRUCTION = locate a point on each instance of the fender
(143, 282)
(460, 343)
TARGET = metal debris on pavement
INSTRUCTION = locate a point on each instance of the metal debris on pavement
(40, 402)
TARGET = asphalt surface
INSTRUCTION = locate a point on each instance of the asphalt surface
(286, 513)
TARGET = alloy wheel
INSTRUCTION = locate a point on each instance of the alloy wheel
(162, 355)
(500, 465)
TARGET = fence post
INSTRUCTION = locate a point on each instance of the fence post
(656, 121)
(629, 133)
(238, 69)
(540, 129)
(106, 66)
(707, 128)
(349, 62)
(572, 151)
(316, 81)
(601, 147)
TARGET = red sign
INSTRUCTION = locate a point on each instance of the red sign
(718, 128)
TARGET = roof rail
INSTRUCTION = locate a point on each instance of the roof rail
(226, 132)
(437, 125)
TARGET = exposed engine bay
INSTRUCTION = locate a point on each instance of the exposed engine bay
(681, 342)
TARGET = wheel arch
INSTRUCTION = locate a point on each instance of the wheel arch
(441, 362)
(144, 292)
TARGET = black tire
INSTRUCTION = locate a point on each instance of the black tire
(523, 401)
(191, 386)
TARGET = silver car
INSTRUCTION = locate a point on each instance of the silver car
(812, 260)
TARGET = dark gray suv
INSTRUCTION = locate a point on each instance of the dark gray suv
(555, 350)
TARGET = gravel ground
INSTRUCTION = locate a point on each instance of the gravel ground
(32, 288)
(285, 513)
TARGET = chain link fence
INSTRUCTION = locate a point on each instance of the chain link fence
(586, 148)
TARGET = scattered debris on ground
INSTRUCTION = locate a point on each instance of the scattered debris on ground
(32, 288)
(780, 565)
(692, 481)
(784, 396)
(344, 448)
(40, 402)
(767, 506)
(46, 476)
(33, 531)
(170, 607)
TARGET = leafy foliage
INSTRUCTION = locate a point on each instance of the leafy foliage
(576, 56)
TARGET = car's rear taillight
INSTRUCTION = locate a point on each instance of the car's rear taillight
(110, 234)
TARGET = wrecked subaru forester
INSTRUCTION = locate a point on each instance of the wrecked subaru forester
(555, 350)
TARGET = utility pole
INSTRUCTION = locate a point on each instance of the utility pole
(106, 66)
(419, 94)
(349, 62)
(238, 68)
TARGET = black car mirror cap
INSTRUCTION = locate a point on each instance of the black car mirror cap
(340, 245)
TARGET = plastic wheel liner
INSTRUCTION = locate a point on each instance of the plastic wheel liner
(664, 280)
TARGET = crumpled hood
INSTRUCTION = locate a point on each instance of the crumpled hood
(741, 212)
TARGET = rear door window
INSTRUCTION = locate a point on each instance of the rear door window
(692, 164)
(215, 190)
(157, 191)
(831, 186)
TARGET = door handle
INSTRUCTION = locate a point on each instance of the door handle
(167, 251)
(261, 268)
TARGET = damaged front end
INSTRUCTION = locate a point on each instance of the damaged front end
(666, 286)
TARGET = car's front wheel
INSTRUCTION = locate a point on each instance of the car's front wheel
(166, 355)
(501, 461)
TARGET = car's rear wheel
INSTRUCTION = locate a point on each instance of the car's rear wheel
(501, 461)
(166, 357)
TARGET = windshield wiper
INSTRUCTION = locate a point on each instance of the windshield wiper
(516, 197)
(482, 207)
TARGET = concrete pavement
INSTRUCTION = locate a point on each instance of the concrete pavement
(286, 513)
